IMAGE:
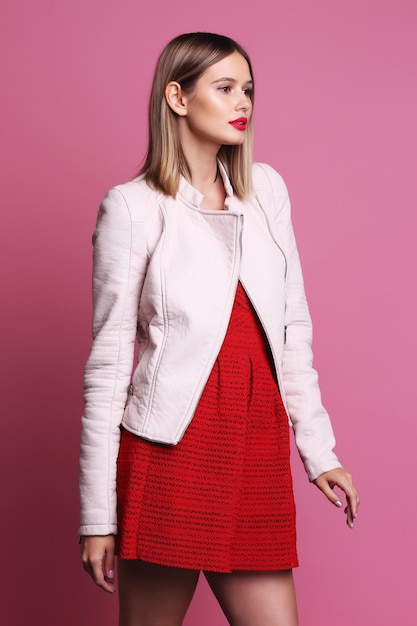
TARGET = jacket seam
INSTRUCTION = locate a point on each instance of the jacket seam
(165, 335)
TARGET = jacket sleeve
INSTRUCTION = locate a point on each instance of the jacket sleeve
(311, 423)
(119, 266)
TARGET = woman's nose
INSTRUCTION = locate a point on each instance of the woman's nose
(243, 103)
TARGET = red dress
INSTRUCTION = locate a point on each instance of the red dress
(222, 499)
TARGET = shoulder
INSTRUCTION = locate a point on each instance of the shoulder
(135, 198)
(266, 180)
(270, 191)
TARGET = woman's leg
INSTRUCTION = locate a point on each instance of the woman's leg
(154, 595)
(256, 598)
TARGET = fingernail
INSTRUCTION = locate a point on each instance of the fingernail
(355, 516)
(110, 573)
(351, 525)
(338, 503)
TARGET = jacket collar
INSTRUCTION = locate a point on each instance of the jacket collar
(191, 196)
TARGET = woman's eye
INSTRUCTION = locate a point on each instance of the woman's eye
(228, 89)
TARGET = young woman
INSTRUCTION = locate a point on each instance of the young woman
(195, 259)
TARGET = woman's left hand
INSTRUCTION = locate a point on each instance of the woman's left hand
(340, 478)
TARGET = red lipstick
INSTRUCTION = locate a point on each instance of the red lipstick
(240, 123)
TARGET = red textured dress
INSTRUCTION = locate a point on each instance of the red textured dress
(222, 499)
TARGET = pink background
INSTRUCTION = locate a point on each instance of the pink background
(336, 114)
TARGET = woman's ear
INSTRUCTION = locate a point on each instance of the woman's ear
(176, 98)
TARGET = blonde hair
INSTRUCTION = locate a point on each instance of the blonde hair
(184, 60)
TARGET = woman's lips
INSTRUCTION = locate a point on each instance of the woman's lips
(240, 123)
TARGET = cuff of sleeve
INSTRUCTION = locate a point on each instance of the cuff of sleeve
(325, 467)
(87, 530)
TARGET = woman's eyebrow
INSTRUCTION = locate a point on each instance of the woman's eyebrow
(231, 80)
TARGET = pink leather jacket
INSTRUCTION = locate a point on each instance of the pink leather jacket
(165, 274)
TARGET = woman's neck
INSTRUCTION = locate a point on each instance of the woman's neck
(201, 157)
(205, 177)
(204, 172)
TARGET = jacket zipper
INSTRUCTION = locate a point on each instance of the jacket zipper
(217, 348)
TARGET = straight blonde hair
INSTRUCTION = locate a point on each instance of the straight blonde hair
(184, 60)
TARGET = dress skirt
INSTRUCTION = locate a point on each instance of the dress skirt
(222, 499)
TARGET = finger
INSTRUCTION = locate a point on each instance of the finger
(354, 503)
(352, 498)
(352, 507)
(344, 482)
(349, 517)
(97, 575)
(326, 488)
(109, 567)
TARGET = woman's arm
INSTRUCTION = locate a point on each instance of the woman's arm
(120, 261)
(311, 423)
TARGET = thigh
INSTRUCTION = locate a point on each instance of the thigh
(256, 598)
(154, 595)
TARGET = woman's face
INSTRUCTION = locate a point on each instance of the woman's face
(219, 108)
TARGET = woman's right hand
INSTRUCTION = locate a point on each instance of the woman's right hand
(97, 555)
